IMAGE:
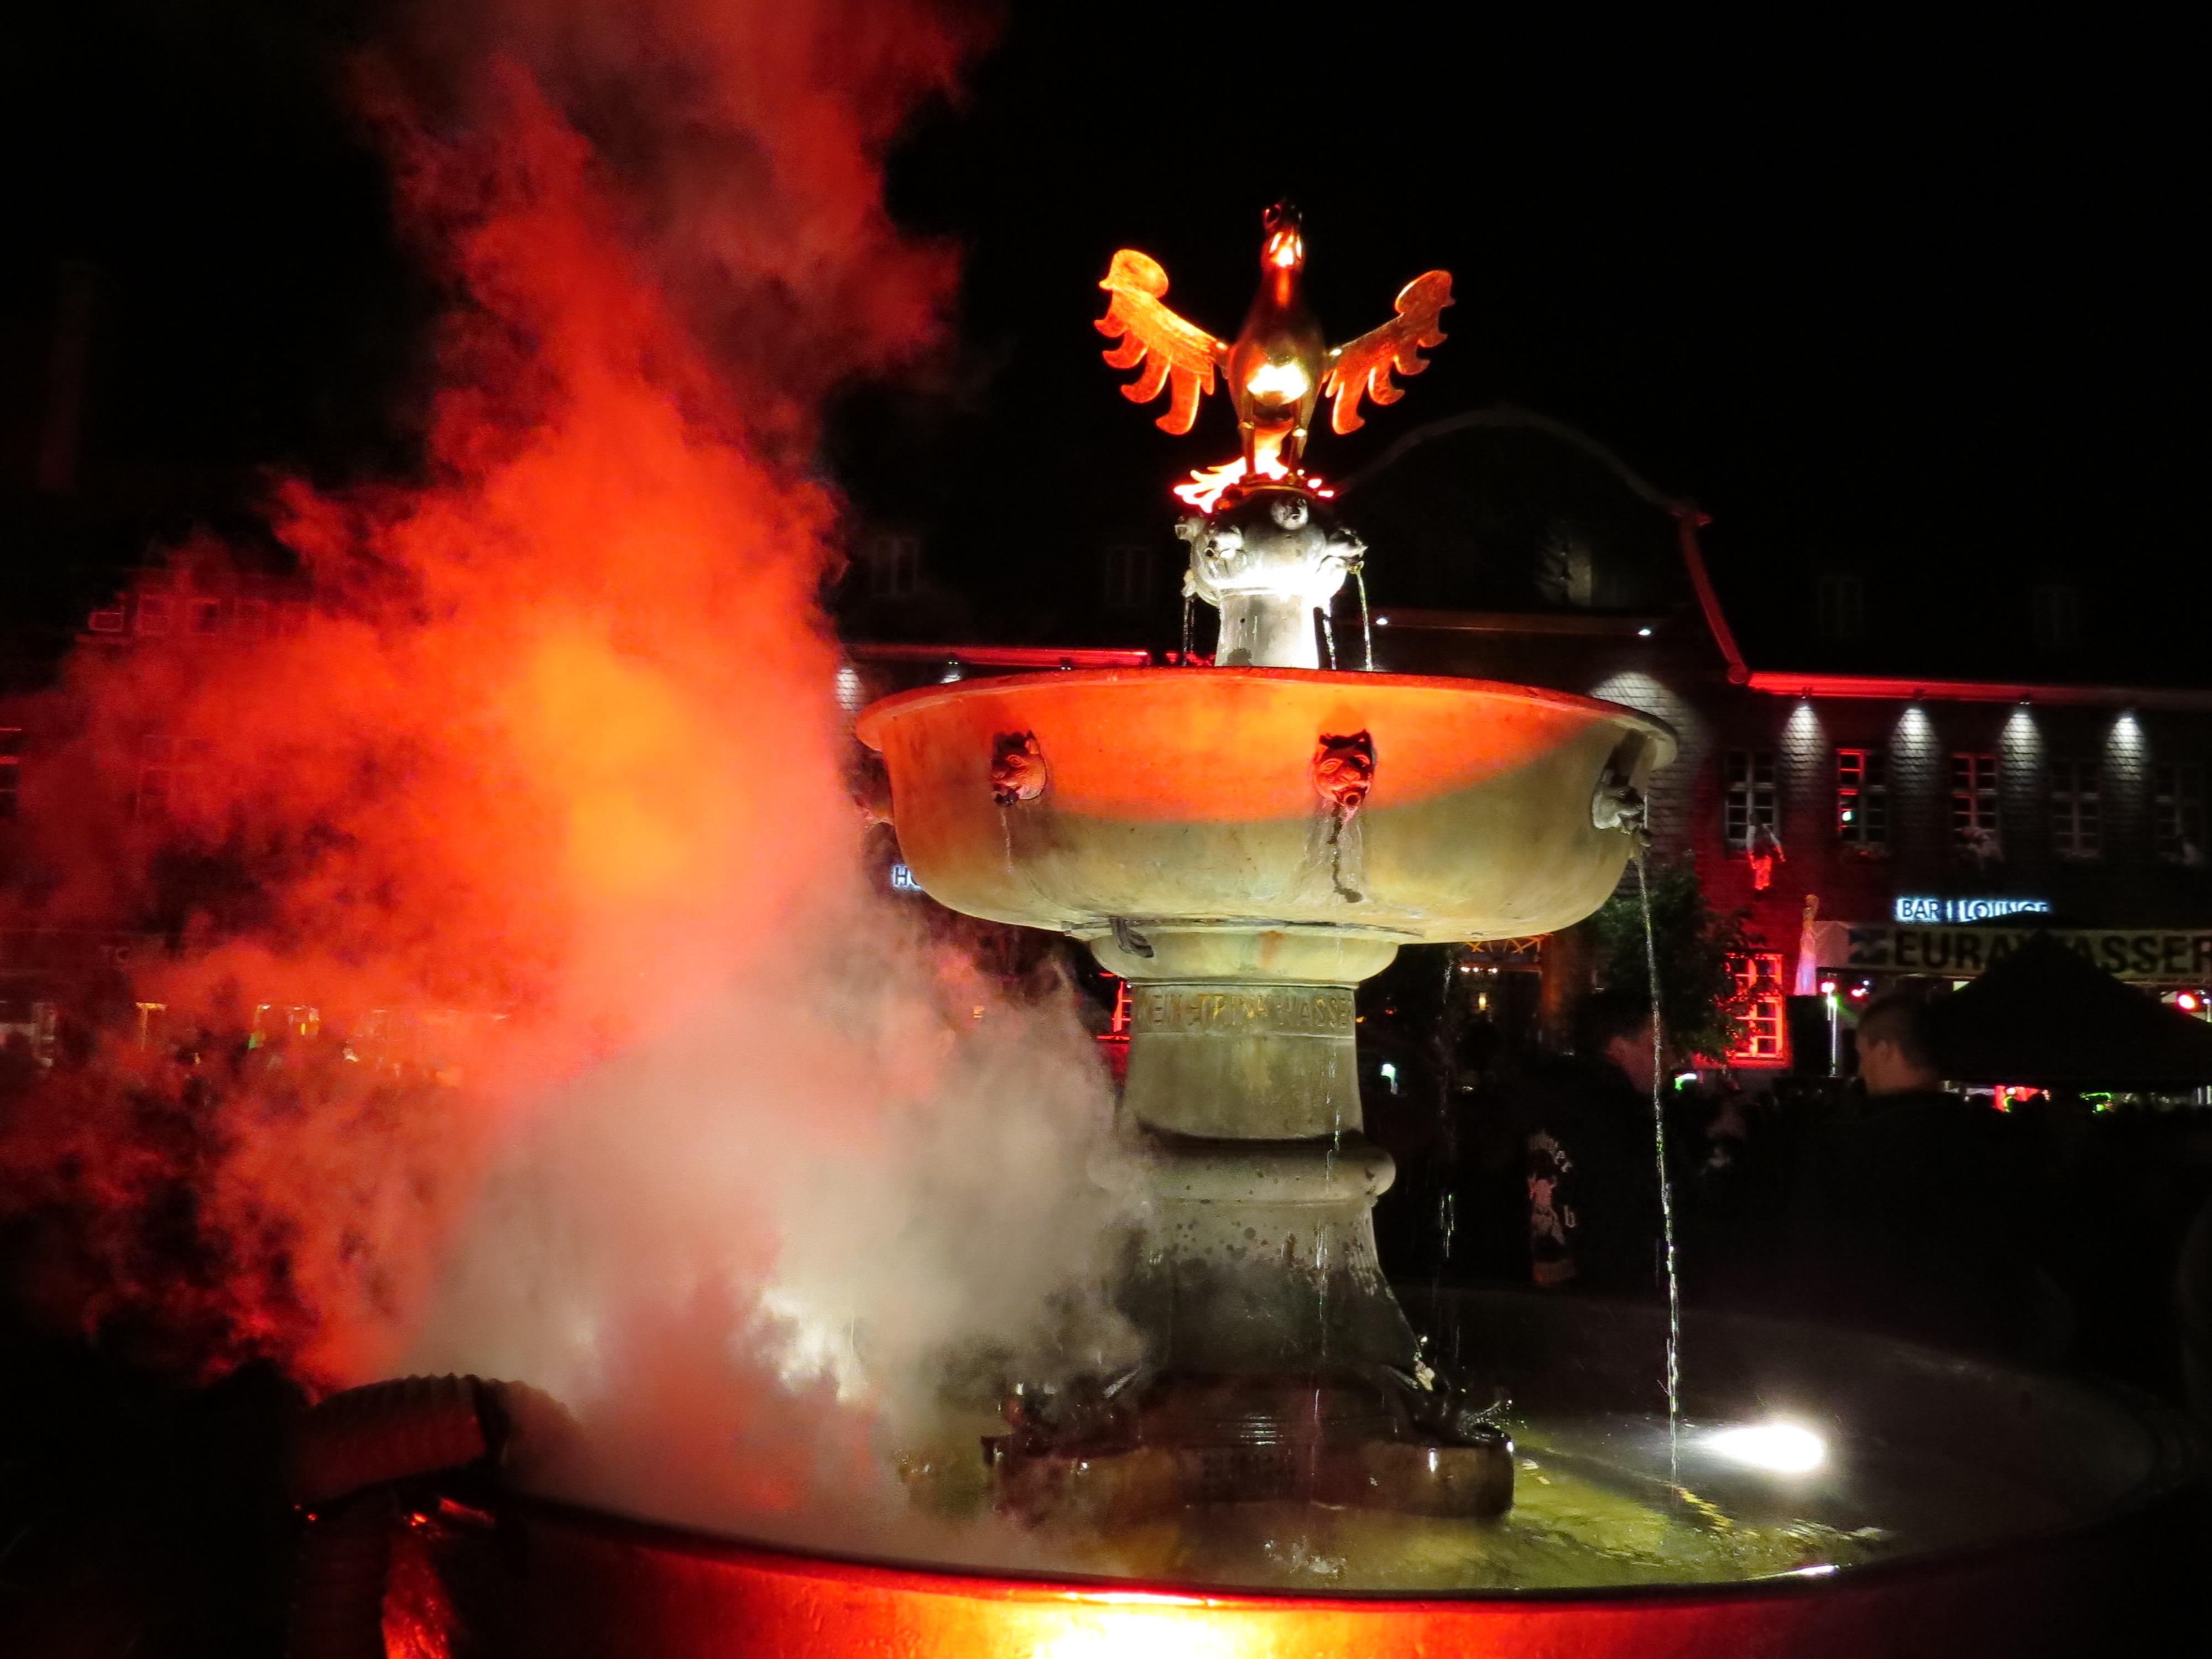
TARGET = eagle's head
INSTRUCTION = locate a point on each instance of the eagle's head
(1285, 246)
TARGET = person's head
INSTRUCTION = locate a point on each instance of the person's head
(1615, 1026)
(1895, 1057)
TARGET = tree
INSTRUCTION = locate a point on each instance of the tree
(1693, 943)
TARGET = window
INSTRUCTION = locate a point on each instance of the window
(11, 771)
(1974, 802)
(1763, 1038)
(1565, 574)
(107, 620)
(156, 779)
(1748, 802)
(894, 565)
(1128, 576)
(2177, 810)
(1841, 606)
(2056, 616)
(170, 770)
(153, 613)
(2077, 829)
(207, 615)
(1863, 797)
(284, 1019)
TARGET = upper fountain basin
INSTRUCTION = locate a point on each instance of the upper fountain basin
(1070, 800)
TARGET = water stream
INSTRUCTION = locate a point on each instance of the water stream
(1666, 1185)
(1447, 1158)
(1321, 1231)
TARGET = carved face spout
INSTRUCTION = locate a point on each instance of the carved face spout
(1344, 771)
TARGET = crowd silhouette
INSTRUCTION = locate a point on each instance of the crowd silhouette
(2060, 1230)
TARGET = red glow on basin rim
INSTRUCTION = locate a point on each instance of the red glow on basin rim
(1231, 744)
(576, 1582)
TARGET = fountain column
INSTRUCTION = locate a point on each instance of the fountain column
(1257, 1182)
(1259, 1185)
(1269, 564)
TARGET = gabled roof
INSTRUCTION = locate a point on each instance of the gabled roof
(1502, 512)
(1965, 626)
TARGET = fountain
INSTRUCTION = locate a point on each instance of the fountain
(1245, 842)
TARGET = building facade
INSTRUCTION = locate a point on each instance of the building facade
(1883, 801)
(1882, 795)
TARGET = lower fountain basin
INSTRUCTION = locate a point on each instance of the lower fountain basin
(2046, 1516)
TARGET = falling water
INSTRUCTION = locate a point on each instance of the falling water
(1321, 1284)
(1447, 1144)
(1366, 621)
(1328, 637)
(1666, 1186)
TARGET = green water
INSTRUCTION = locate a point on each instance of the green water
(1592, 1508)
(1566, 1529)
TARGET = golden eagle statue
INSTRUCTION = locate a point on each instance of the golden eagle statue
(1279, 367)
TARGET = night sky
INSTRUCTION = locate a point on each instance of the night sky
(1859, 291)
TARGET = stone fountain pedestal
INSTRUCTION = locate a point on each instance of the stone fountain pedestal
(1257, 1179)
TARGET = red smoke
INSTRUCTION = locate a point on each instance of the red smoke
(557, 755)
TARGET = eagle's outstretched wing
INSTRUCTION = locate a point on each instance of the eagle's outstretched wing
(1181, 355)
(1362, 368)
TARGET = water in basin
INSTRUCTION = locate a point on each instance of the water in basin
(1592, 1509)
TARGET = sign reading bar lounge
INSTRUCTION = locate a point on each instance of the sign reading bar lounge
(2150, 954)
(1926, 907)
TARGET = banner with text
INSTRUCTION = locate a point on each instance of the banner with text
(2156, 954)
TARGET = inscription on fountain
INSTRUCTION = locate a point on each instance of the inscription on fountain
(1293, 1010)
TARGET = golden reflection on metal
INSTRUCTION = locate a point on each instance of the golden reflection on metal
(1279, 367)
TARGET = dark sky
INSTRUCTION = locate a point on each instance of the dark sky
(1857, 290)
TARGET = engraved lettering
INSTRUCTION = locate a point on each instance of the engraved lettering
(1327, 1012)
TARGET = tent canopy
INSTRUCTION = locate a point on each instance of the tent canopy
(2047, 1016)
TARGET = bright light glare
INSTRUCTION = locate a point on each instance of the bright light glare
(1150, 1635)
(1778, 1447)
(1284, 381)
(808, 1343)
